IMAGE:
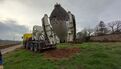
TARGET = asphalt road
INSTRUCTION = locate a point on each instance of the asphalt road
(9, 49)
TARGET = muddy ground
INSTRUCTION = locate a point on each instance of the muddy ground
(63, 53)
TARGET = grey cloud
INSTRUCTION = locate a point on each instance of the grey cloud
(87, 12)
(10, 30)
(1, 0)
(112, 13)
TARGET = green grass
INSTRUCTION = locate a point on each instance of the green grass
(91, 56)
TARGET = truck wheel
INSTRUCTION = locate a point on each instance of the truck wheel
(35, 49)
(31, 48)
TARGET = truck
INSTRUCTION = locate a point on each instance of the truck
(26, 37)
(42, 37)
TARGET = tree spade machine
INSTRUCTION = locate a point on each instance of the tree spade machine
(42, 37)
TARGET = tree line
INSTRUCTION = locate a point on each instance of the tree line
(102, 28)
(113, 27)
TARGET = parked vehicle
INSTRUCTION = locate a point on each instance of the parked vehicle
(1, 61)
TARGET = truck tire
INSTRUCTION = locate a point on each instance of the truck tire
(31, 48)
(35, 49)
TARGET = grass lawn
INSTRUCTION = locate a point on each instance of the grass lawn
(92, 56)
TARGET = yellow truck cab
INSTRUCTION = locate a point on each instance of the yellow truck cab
(26, 38)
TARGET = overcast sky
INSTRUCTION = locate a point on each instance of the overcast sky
(23, 14)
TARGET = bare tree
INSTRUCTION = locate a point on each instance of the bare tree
(112, 26)
(118, 26)
(115, 26)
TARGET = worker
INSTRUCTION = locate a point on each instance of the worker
(1, 61)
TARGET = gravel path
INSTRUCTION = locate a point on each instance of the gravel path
(9, 49)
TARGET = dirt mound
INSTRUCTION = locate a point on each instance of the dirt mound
(61, 53)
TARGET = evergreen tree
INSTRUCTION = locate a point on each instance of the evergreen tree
(101, 28)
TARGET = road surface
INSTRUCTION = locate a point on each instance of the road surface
(9, 49)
